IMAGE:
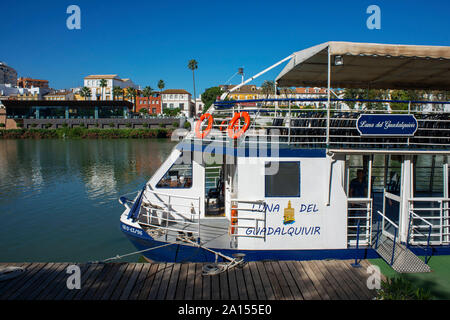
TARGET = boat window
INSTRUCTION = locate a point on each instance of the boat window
(429, 175)
(178, 176)
(282, 179)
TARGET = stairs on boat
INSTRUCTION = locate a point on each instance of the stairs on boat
(405, 261)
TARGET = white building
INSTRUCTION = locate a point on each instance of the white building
(177, 98)
(7, 74)
(199, 105)
(106, 93)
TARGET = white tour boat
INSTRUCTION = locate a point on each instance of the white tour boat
(269, 179)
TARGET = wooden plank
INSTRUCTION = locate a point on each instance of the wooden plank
(165, 280)
(57, 284)
(278, 292)
(31, 281)
(12, 285)
(296, 294)
(304, 283)
(5, 285)
(359, 278)
(128, 271)
(107, 293)
(215, 287)
(259, 288)
(148, 281)
(326, 280)
(334, 283)
(172, 288)
(131, 282)
(140, 281)
(39, 287)
(224, 292)
(317, 282)
(157, 281)
(96, 288)
(206, 287)
(241, 285)
(198, 284)
(270, 295)
(182, 282)
(341, 277)
(190, 281)
(85, 271)
(87, 280)
(234, 294)
(281, 281)
(251, 291)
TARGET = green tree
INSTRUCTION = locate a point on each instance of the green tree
(147, 92)
(117, 92)
(85, 92)
(131, 94)
(103, 85)
(209, 96)
(161, 86)
(193, 65)
(268, 87)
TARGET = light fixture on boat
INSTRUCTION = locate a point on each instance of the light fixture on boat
(338, 60)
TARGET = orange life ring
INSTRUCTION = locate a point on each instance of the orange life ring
(237, 116)
(201, 134)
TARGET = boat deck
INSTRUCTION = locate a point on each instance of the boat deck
(263, 280)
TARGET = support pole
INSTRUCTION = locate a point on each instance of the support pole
(328, 98)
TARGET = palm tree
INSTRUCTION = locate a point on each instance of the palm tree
(131, 94)
(117, 91)
(85, 92)
(147, 92)
(192, 65)
(103, 85)
(268, 87)
(161, 86)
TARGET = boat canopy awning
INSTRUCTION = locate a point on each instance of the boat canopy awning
(369, 66)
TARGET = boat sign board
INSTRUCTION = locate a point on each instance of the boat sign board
(387, 125)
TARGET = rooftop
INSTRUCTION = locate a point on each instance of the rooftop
(175, 91)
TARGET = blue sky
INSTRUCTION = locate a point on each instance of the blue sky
(151, 40)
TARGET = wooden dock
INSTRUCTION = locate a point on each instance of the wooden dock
(265, 280)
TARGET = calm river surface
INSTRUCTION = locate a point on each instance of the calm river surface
(59, 198)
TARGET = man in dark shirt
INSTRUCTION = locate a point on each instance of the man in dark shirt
(358, 186)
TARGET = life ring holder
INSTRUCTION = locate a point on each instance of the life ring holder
(233, 121)
(202, 134)
(223, 125)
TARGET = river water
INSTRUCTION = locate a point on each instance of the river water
(59, 198)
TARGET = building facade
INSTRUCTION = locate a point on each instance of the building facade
(60, 96)
(29, 83)
(151, 104)
(246, 92)
(7, 74)
(177, 98)
(106, 93)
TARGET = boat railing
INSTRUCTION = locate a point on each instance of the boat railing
(381, 231)
(284, 121)
(429, 221)
(171, 214)
(359, 221)
(427, 236)
(248, 219)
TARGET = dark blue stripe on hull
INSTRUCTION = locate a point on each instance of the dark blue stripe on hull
(183, 253)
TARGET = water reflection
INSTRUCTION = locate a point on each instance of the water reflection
(58, 198)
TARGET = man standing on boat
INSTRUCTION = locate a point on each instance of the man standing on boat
(358, 186)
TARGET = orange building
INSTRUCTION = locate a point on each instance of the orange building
(152, 104)
(28, 83)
